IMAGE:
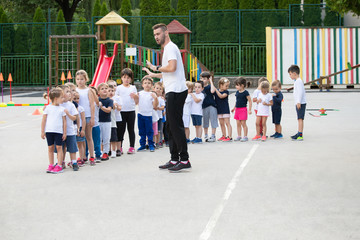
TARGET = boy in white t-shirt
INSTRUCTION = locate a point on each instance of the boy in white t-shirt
(197, 111)
(116, 107)
(264, 101)
(187, 110)
(147, 102)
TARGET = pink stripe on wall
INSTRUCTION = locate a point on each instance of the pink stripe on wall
(329, 51)
(351, 54)
(307, 56)
(275, 53)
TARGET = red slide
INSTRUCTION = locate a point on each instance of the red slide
(104, 66)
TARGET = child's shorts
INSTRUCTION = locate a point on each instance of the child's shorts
(155, 128)
(196, 119)
(70, 144)
(301, 112)
(241, 113)
(186, 120)
(54, 138)
(113, 137)
(223, 116)
(80, 139)
(210, 114)
(160, 125)
(276, 116)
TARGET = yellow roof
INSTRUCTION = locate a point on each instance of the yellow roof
(112, 18)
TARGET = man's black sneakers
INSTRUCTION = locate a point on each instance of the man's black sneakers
(180, 166)
(167, 165)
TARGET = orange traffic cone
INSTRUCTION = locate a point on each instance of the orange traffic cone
(37, 112)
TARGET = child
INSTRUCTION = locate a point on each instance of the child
(71, 130)
(276, 108)
(117, 108)
(209, 106)
(113, 136)
(53, 126)
(255, 96)
(96, 127)
(105, 106)
(129, 99)
(223, 109)
(80, 138)
(187, 110)
(264, 101)
(300, 100)
(87, 102)
(159, 92)
(155, 119)
(241, 111)
(147, 102)
(197, 111)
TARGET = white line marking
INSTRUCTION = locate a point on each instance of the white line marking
(11, 125)
(218, 211)
(24, 94)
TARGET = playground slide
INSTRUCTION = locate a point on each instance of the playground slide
(104, 66)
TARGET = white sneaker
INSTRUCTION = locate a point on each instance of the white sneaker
(113, 154)
(212, 139)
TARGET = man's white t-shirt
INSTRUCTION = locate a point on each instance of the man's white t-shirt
(187, 106)
(196, 108)
(146, 103)
(54, 120)
(128, 103)
(264, 110)
(70, 128)
(173, 81)
(161, 103)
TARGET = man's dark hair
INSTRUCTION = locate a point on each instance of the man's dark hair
(160, 25)
(295, 69)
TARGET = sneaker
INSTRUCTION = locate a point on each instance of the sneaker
(212, 139)
(188, 141)
(237, 139)
(98, 160)
(274, 135)
(257, 137)
(244, 139)
(63, 165)
(221, 139)
(118, 153)
(57, 169)
(167, 165)
(206, 138)
(294, 137)
(92, 162)
(180, 166)
(263, 138)
(279, 135)
(161, 145)
(91, 159)
(198, 140)
(141, 148)
(131, 150)
(228, 139)
(193, 141)
(104, 157)
(156, 146)
(299, 138)
(113, 154)
(50, 168)
(152, 148)
(80, 162)
(75, 167)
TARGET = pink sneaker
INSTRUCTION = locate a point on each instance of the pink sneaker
(50, 168)
(131, 150)
(222, 138)
(257, 137)
(57, 169)
(263, 138)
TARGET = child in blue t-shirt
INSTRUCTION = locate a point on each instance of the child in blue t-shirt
(241, 111)
(105, 107)
(223, 109)
(276, 108)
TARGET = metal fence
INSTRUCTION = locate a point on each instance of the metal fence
(228, 42)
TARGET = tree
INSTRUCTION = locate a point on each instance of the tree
(116, 4)
(96, 9)
(21, 42)
(230, 4)
(184, 6)
(8, 33)
(312, 13)
(344, 6)
(331, 18)
(149, 7)
(60, 29)
(125, 9)
(104, 9)
(165, 7)
(38, 32)
(68, 7)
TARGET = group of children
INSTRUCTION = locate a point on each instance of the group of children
(92, 121)
(208, 104)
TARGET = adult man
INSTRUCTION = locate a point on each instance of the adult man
(172, 73)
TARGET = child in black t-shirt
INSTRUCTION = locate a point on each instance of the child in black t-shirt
(276, 108)
(105, 106)
(223, 109)
(241, 111)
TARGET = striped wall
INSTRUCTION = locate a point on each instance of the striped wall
(317, 51)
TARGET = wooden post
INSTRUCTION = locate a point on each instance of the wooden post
(50, 52)
(99, 39)
(126, 34)
(57, 62)
(122, 46)
(78, 54)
